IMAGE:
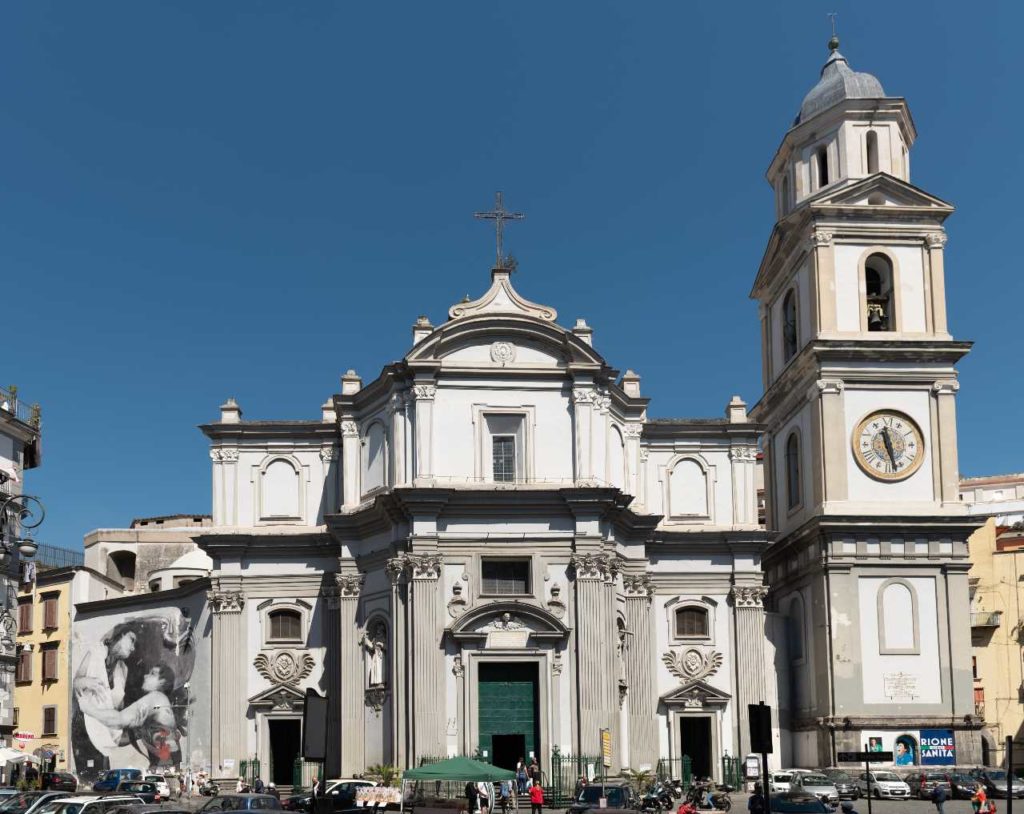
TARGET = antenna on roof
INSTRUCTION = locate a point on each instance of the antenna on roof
(833, 44)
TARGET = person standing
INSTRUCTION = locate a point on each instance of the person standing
(755, 804)
(471, 797)
(536, 798)
(939, 798)
(483, 797)
(533, 770)
(273, 792)
(521, 776)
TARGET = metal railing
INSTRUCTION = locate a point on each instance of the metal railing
(10, 402)
(304, 772)
(676, 768)
(560, 782)
(50, 557)
(986, 619)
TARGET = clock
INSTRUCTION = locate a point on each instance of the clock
(888, 445)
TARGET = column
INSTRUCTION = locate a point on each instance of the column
(823, 284)
(428, 684)
(936, 242)
(350, 463)
(944, 439)
(424, 395)
(332, 675)
(228, 701)
(641, 672)
(353, 676)
(834, 445)
(592, 644)
(225, 487)
(749, 658)
(582, 411)
(398, 665)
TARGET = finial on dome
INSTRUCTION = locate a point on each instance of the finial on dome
(833, 43)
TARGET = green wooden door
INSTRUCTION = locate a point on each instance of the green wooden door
(508, 705)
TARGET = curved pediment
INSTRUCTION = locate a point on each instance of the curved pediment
(517, 618)
(502, 298)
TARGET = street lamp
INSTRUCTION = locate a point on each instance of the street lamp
(19, 513)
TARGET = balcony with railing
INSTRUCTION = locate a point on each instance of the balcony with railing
(986, 619)
(50, 557)
(12, 404)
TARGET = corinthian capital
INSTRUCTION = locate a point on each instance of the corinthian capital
(226, 601)
(424, 566)
(749, 596)
(424, 392)
(349, 585)
(936, 240)
(821, 239)
(591, 566)
(349, 429)
(638, 586)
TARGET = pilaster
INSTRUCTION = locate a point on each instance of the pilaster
(828, 426)
(225, 485)
(936, 244)
(353, 675)
(597, 697)
(332, 675)
(398, 665)
(822, 284)
(945, 440)
(424, 395)
(350, 462)
(582, 416)
(743, 460)
(427, 690)
(228, 702)
(749, 658)
(638, 653)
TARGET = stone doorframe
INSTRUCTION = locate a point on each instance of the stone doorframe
(470, 702)
(263, 719)
(675, 737)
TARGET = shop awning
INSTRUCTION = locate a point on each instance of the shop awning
(459, 768)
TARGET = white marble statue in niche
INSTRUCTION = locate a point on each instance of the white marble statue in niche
(374, 643)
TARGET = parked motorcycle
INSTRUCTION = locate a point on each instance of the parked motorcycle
(208, 789)
(704, 792)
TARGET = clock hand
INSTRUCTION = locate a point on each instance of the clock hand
(888, 445)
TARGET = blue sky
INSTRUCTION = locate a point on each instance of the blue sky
(202, 200)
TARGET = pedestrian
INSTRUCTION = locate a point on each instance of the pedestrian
(581, 784)
(848, 808)
(939, 798)
(536, 798)
(483, 797)
(239, 786)
(258, 785)
(521, 776)
(273, 792)
(979, 800)
(533, 770)
(471, 796)
(755, 803)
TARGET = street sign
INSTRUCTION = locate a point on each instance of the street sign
(606, 748)
(864, 757)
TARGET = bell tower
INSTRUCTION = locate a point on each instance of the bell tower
(860, 454)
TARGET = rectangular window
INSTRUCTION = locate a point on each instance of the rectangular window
(50, 612)
(974, 666)
(23, 669)
(503, 456)
(14, 718)
(505, 576)
(50, 663)
(25, 615)
(49, 720)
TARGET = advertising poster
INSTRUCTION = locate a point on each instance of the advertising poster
(937, 747)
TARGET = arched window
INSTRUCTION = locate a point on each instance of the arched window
(821, 160)
(878, 290)
(692, 622)
(790, 331)
(872, 145)
(285, 625)
(793, 471)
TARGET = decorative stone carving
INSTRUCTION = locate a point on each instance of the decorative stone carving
(282, 700)
(645, 453)
(633, 430)
(399, 400)
(556, 663)
(503, 353)
(638, 586)
(458, 669)
(424, 392)
(749, 596)
(590, 566)
(581, 396)
(504, 622)
(693, 698)
(936, 240)
(284, 666)
(742, 454)
(394, 568)
(226, 601)
(623, 690)
(819, 239)
(224, 454)
(830, 386)
(331, 595)
(376, 697)
(328, 454)
(555, 604)
(349, 429)
(349, 585)
(9, 628)
(501, 297)
(457, 604)
(692, 664)
(949, 386)
(374, 642)
(424, 566)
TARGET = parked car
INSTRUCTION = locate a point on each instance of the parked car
(884, 785)
(962, 786)
(845, 785)
(796, 802)
(110, 780)
(242, 802)
(146, 808)
(163, 789)
(778, 782)
(341, 790)
(922, 784)
(87, 804)
(619, 796)
(58, 781)
(28, 800)
(814, 783)
(994, 782)
(147, 792)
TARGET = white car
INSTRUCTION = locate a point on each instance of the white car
(162, 787)
(89, 803)
(886, 785)
(778, 782)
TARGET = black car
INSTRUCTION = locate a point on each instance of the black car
(619, 796)
(797, 802)
(242, 802)
(845, 785)
(147, 792)
(962, 786)
(923, 783)
(58, 781)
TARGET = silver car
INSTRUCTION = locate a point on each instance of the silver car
(816, 784)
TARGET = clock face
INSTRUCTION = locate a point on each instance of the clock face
(888, 445)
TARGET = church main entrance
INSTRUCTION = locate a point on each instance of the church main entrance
(509, 712)
(695, 742)
(285, 743)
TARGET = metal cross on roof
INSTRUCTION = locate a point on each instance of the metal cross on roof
(499, 215)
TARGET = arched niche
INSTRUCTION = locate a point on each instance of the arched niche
(280, 489)
(689, 489)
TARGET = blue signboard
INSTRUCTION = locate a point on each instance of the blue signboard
(937, 747)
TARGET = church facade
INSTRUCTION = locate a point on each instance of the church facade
(491, 548)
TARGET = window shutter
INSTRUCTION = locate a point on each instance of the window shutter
(49, 720)
(50, 664)
(25, 617)
(24, 668)
(50, 613)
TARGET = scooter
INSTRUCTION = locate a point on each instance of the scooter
(208, 789)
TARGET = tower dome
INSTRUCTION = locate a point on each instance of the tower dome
(838, 82)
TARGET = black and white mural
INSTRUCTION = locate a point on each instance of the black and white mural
(140, 679)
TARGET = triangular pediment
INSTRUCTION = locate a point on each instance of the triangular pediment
(696, 695)
(279, 696)
(882, 190)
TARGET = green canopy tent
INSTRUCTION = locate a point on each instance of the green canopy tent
(459, 768)
(456, 769)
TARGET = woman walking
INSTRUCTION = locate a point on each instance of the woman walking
(536, 798)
